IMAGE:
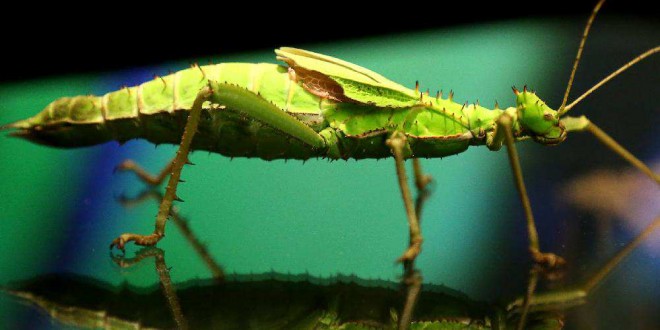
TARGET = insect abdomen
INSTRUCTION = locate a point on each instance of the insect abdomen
(157, 110)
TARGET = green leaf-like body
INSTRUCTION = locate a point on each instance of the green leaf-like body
(264, 110)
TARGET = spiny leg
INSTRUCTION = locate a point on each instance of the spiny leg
(152, 180)
(234, 97)
(550, 260)
(397, 143)
(170, 193)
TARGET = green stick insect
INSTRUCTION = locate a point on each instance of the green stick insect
(315, 106)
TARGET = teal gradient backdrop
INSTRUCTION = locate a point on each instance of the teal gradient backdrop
(318, 217)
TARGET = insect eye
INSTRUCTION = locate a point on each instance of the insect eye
(548, 116)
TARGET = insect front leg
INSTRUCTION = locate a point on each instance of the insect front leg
(179, 161)
(582, 124)
(504, 132)
(397, 143)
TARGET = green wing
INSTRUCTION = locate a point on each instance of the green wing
(358, 84)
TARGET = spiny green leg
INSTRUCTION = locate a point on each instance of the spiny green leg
(170, 193)
(397, 143)
(152, 180)
(549, 260)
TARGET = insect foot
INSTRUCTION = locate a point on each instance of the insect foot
(144, 240)
(547, 260)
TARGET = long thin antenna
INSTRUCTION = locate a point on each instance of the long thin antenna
(579, 53)
(608, 78)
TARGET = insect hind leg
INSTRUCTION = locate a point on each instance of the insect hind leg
(179, 161)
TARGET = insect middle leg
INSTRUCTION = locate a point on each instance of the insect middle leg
(397, 143)
(180, 159)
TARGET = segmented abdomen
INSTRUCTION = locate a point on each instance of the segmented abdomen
(157, 110)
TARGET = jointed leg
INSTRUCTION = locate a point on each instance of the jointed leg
(580, 124)
(182, 224)
(130, 165)
(397, 143)
(412, 279)
(170, 193)
(234, 97)
(504, 124)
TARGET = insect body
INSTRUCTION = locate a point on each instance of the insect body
(349, 118)
(315, 106)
